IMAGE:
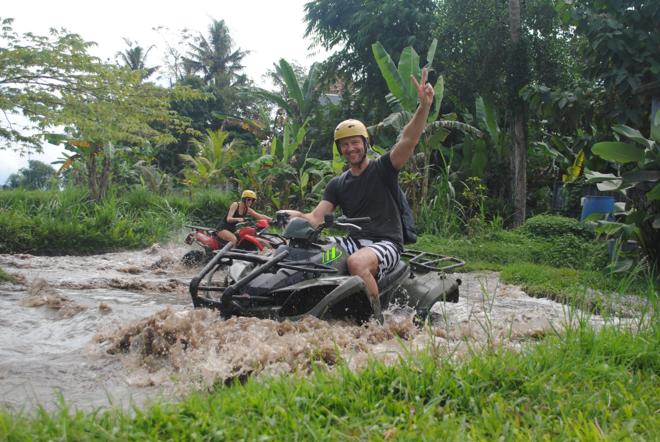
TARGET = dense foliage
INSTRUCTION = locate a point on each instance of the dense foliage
(526, 88)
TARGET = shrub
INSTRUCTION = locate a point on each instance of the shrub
(552, 226)
(571, 252)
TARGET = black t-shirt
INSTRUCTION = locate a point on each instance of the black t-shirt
(369, 194)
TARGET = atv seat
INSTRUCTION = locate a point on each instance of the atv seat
(400, 271)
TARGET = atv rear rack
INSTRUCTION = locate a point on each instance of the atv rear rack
(424, 262)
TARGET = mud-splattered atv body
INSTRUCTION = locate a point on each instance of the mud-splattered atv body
(309, 276)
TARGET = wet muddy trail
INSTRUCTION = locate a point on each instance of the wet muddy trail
(119, 329)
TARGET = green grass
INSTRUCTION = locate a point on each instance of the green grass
(565, 267)
(5, 277)
(498, 249)
(597, 292)
(581, 385)
(65, 222)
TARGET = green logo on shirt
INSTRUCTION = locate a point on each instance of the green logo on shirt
(332, 254)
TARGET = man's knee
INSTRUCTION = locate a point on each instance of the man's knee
(362, 262)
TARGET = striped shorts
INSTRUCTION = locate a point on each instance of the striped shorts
(387, 252)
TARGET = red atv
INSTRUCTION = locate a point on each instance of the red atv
(251, 236)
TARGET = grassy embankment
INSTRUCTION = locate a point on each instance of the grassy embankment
(582, 384)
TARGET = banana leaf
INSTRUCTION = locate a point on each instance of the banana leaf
(391, 75)
(617, 151)
(439, 89)
(409, 67)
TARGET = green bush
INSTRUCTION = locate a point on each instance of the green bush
(17, 232)
(139, 199)
(552, 226)
(572, 252)
(65, 222)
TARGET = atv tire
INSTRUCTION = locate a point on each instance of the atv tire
(193, 258)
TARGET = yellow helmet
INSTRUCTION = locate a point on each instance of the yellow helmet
(249, 194)
(351, 128)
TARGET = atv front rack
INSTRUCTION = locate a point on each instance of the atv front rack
(424, 262)
(204, 283)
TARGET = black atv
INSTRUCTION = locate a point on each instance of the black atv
(309, 276)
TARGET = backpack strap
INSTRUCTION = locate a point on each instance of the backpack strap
(405, 212)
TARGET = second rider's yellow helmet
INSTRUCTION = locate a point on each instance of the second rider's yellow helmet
(350, 128)
(249, 194)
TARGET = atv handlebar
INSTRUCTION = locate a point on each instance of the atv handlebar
(361, 220)
(342, 221)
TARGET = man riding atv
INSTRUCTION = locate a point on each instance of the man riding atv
(364, 191)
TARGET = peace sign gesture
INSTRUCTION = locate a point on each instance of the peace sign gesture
(424, 89)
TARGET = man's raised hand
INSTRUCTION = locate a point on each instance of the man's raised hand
(424, 89)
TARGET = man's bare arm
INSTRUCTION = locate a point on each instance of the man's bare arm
(411, 133)
(316, 216)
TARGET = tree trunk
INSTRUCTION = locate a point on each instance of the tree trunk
(91, 178)
(519, 169)
(519, 133)
(104, 180)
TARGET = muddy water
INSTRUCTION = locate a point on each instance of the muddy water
(118, 329)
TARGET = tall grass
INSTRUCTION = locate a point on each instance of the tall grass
(581, 385)
(65, 222)
(442, 214)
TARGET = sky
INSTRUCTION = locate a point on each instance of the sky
(269, 29)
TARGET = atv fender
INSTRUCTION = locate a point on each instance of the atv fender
(423, 291)
(350, 286)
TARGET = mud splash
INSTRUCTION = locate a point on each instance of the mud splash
(119, 329)
(201, 350)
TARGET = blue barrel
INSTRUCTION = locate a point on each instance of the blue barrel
(597, 204)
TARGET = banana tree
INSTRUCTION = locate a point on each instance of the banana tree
(403, 101)
(274, 168)
(638, 179)
(153, 179)
(310, 180)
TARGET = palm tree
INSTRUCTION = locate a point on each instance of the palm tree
(214, 58)
(135, 57)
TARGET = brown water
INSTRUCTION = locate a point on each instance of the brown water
(119, 329)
